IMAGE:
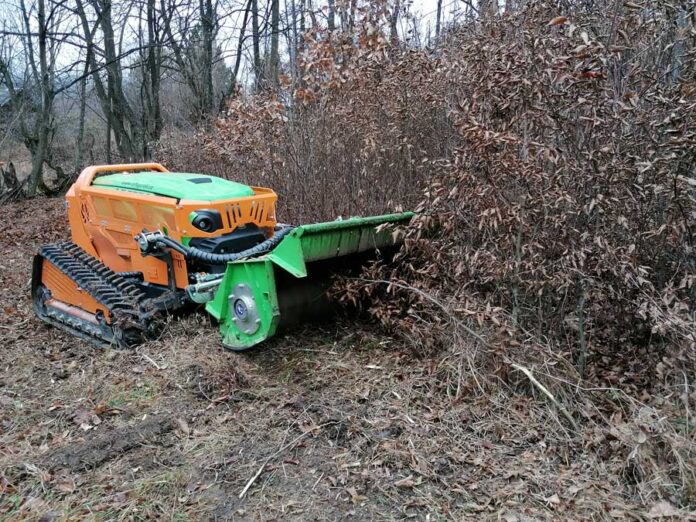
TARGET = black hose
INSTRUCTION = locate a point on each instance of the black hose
(174, 245)
(211, 258)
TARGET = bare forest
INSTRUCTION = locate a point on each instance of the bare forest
(530, 354)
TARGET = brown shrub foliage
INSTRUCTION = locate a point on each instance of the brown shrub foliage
(555, 156)
(568, 200)
(349, 138)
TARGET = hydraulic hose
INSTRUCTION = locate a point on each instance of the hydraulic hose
(196, 254)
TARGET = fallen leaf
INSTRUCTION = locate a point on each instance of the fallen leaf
(559, 20)
(66, 486)
(663, 509)
(405, 482)
(183, 426)
(553, 499)
(354, 496)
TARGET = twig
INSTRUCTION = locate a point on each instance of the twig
(686, 402)
(15, 325)
(265, 462)
(217, 400)
(278, 452)
(317, 482)
(546, 392)
(151, 361)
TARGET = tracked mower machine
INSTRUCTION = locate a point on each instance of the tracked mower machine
(146, 242)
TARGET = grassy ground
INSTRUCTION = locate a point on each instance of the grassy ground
(323, 423)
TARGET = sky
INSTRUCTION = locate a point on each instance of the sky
(423, 15)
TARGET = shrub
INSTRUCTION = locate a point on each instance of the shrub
(553, 157)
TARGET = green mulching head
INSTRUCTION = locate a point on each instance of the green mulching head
(247, 303)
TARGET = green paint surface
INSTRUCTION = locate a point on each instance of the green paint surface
(303, 245)
(179, 185)
(259, 276)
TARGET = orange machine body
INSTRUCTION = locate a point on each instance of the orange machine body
(105, 221)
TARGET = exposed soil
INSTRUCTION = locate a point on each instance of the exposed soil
(330, 422)
(114, 443)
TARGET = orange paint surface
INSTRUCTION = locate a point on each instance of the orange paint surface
(104, 221)
(66, 290)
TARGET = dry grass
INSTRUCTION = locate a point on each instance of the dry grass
(344, 419)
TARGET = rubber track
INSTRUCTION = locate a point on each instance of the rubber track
(121, 298)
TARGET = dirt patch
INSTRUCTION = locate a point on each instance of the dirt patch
(115, 443)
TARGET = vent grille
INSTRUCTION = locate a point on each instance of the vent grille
(234, 214)
(258, 212)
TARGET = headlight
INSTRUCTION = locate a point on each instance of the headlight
(206, 220)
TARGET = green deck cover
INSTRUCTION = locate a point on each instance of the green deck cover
(179, 185)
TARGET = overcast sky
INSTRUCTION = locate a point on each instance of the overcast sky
(422, 14)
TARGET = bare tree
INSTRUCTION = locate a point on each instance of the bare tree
(191, 36)
(233, 86)
(152, 62)
(80, 155)
(331, 22)
(120, 116)
(393, 21)
(41, 38)
(208, 21)
(256, 42)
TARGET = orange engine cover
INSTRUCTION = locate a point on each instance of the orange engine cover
(105, 221)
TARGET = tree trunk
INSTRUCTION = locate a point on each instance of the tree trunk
(194, 57)
(331, 23)
(256, 40)
(126, 126)
(295, 45)
(275, 37)
(80, 156)
(38, 157)
(153, 65)
(208, 28)
(122, 116)
(108, 137)
(233, 87)
(43, 125)
(393, 21)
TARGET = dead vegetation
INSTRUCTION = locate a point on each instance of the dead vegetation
(330, 421)
(535, 354)
(552, 155)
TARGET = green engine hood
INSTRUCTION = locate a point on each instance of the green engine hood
(179, 185)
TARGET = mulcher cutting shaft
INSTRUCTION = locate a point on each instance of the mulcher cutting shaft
(146, 241)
